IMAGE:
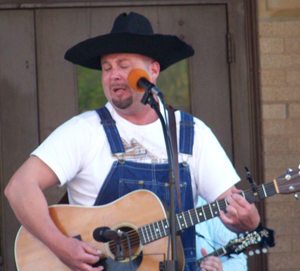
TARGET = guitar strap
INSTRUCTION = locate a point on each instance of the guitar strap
(172, 125)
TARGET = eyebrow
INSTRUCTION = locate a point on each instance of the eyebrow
(118, 61)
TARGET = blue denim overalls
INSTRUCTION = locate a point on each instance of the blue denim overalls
(125, 177)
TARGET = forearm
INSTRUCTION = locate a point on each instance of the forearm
(31, 209)
(25, 195)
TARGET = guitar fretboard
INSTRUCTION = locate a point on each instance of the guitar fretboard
(184, 220)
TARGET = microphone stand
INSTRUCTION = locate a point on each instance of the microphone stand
(149, 99)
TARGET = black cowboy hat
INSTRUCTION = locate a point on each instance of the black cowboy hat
(131, 33)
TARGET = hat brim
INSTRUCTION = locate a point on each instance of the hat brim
(165, 49)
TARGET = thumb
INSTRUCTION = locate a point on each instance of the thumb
(203, 252)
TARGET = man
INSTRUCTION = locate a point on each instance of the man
(102, 161)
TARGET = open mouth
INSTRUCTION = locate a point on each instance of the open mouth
(119, 88)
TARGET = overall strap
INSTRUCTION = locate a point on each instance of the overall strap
(186, 139)
(111, 131)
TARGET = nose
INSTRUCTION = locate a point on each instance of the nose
(115, 74)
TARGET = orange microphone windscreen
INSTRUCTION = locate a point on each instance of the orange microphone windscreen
(134, 76)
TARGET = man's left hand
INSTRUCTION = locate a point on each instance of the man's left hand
(241, 216)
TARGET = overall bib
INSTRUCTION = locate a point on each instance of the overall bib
(127, 176)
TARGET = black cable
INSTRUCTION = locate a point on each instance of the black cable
(129, 250)
(206, 240)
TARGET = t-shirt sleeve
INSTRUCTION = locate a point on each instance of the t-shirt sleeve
(213, 170)
(64, 149)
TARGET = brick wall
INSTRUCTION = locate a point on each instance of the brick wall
(279, 40)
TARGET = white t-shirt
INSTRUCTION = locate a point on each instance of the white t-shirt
(79, 154)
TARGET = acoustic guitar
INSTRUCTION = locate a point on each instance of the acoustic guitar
(141, 215)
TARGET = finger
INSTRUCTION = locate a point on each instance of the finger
(88, 267)
(212, 263)
(241, 201)
(90, 250)
(92, 255)
(238, 203)
(235, 190)
(226, 218)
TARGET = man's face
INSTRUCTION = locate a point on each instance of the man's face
(115, 70)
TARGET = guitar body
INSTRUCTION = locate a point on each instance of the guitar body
(127, 213)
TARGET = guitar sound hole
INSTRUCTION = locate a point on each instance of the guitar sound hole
(134, 239)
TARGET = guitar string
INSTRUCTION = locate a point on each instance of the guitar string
(194, 215)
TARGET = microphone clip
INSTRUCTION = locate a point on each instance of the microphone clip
(148, 99)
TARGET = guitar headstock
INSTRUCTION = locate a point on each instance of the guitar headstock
(288, 183)
(262, 237)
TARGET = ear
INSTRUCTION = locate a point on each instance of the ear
(154, 70)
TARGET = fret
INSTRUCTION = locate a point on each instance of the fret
(224, 250)
(158, 230)
(179, 218)
(218, 206)
(167, 226)
(226, 202)
(222, 205)
(190, 218)
(243, 194)
(212, 214)
(163, 227)
(250, 197)
(217, 252)
(147, 234)
(154, 231)
(185, 223)
(143, 239)
(204, 213)
(214, 209)
(193, 217)
(208, 211)
(197, 215)
(265, 193)
(260, 191)
(220, 252)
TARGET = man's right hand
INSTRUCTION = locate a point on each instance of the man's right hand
(78, 255)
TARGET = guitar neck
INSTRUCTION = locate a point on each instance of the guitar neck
(217, 253)
(159, 229)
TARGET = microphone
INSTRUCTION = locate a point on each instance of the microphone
(105, 234)
(139, 80)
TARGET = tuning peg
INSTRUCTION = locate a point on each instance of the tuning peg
(257, 251)
(264, 250)
(288, 177)
(296, 196)
(251, 253)
(299, 166)
(288, 170)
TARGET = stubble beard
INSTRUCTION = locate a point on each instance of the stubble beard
(123, 104)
